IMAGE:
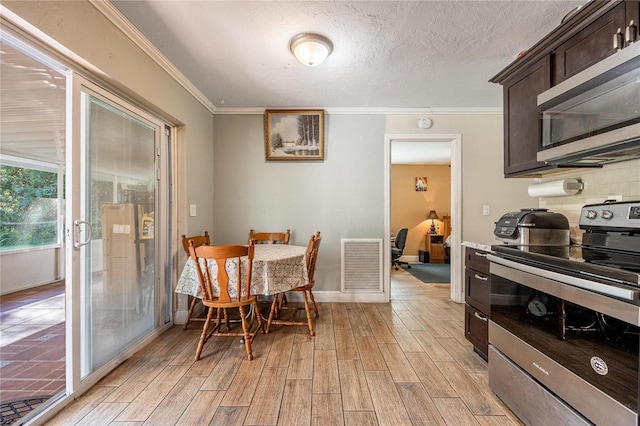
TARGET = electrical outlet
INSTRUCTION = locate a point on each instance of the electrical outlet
(486, 210)
(192, 210)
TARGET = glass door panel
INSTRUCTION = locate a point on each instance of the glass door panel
(119, 203)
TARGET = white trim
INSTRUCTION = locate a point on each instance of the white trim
(341, 297)
(28, 163)
(457, 287)
(376, 111)
(124, 25)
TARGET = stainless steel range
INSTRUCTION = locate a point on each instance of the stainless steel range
(564, 323)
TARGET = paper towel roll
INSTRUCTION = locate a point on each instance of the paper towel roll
(555, 188)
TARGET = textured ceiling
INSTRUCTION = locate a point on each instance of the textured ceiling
(387, 54)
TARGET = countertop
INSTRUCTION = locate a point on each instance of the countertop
(485, 246)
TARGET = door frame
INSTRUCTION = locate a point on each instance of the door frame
(457, 287)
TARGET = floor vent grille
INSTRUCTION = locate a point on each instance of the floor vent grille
(362, 265)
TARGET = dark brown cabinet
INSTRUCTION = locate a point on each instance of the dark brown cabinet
(594, 43)
(521, 118)
(582, 40)
(477, 300)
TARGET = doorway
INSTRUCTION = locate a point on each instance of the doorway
(455, 141)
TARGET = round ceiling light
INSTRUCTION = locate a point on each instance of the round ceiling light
(311, 49)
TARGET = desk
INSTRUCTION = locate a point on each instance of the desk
(276, 268)
(434, 244)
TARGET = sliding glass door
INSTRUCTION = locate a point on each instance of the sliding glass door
(115, 186)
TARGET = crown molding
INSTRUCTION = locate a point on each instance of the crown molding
(119, 20)
(373, 111)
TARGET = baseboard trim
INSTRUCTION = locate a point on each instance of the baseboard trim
(340, 297)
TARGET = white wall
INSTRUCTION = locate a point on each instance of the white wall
(342, 196)
(483, 181)
(24, 269)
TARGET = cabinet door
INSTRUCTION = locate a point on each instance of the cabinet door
(591, 45)
(436, 255)
(522, 119)
(476, 330)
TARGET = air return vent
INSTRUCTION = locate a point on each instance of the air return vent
(362, 265)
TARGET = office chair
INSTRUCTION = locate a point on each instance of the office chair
(396, 251)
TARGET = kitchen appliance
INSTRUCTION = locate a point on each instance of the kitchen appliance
(565, 323)
(593, 118)
(533, 227)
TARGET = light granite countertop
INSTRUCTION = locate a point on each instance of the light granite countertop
(486, 246)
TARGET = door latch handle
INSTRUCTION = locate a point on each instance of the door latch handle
(76, 233)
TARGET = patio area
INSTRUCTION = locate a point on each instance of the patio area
(32, 348)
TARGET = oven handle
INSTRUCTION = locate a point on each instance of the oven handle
(577, 290)
(608, 289)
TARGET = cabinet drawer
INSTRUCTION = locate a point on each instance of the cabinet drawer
(478, 289)
(476, 330)
(476, 259)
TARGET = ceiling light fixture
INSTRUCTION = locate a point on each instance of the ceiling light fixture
(311, 49)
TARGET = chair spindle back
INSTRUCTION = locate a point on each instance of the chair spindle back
(270, 237)
(204, 255)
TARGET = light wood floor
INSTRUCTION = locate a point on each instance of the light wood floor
(406, 362)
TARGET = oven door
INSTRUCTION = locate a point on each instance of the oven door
(580, 344)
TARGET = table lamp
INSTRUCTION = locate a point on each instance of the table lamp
(432, 215)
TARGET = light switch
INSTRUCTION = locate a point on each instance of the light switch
(486, 210)
(192, 210)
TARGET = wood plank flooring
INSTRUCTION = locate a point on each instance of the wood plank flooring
(402, 363)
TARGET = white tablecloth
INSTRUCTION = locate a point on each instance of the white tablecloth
(276, 268)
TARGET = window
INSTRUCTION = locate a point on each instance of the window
(29, 207)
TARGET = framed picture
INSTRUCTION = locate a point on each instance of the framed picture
(421, 183)
(294, 134)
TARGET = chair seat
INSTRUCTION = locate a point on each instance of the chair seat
(232, 304)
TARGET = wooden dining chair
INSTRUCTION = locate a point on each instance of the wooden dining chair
(207, 256)
(198, 240)
(270, 237)
(277, 306)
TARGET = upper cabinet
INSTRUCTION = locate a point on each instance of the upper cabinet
(596, 31)
(521, 118)
(595, 42)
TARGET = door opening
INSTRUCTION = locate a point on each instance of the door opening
(455, 141)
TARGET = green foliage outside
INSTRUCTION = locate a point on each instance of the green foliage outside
(28, 207)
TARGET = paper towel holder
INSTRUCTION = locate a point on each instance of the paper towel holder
(555, 188)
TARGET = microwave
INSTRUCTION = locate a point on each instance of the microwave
(593, 117)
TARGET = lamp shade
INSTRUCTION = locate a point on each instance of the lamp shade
(311, 49)
(432, 215)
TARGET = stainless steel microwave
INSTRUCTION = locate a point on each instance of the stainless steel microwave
(593, 117)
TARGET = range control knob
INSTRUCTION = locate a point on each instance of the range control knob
(606, 214)
(590, 214)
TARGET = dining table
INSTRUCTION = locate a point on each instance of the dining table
(276, 268)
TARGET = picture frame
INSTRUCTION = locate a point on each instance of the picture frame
(294, 135)
(421, 183)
